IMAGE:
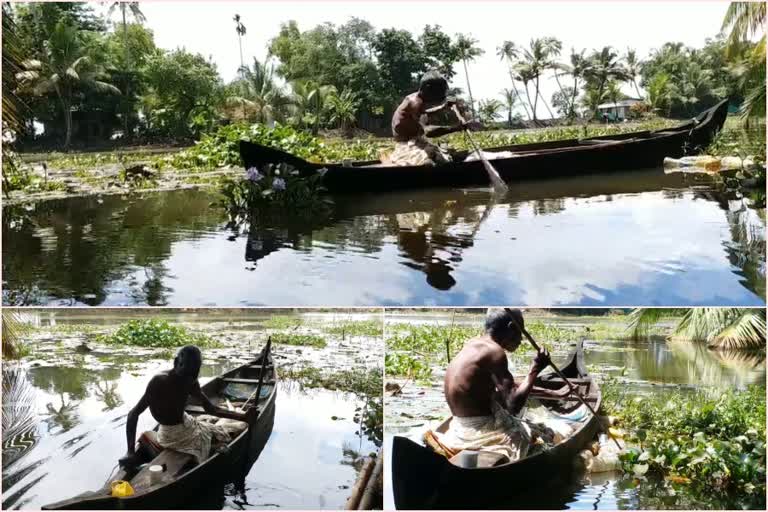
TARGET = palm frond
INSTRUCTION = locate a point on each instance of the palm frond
(641, 320)
(746, 331)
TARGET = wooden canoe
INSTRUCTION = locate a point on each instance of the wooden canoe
(422, 479)
(572, 157)
(181, 484)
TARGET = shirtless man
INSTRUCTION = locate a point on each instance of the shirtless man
(479, 373)
(412, 146)
(166, 396)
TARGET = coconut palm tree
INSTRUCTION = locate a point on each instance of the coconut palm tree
(523, 72)
(490, 110)
(633, 66)
(13, 332)
(344, 109)
(138, 17)
(660, 92)
(64, 69)
(310, 102)
(728, 328)
(240, 29)
(509, 51)
(259, 94)
(538, 58)
(510, 101)
(13, 107)
(605, 66)
(577, 67)
(613, 91)
(467, 50)
(745, 20)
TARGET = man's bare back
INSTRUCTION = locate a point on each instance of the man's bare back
(469, 381)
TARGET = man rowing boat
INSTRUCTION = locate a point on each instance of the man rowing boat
(484, 399)
(409, 126)
(166, 396)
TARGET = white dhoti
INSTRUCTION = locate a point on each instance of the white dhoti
(499, 433)
(502, 433)
(193, 437)
(418, 151)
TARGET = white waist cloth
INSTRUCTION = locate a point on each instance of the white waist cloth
(500, 433)
(418, 151)
(507, 435)
(192, 437)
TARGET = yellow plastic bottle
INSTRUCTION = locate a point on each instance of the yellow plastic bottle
(121, 489)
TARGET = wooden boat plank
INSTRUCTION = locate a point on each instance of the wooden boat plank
(175, 463)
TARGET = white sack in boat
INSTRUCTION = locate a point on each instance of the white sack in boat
(490, 155)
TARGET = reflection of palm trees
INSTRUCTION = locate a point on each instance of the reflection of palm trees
(19, 418)
(720, 367)
(66, 414)
(107, 393)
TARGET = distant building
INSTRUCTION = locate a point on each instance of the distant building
(617, 111)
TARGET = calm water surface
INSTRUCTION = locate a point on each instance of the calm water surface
(70, 413)
(639, 238)
(651, 367)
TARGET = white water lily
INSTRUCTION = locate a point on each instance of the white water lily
(640, 469)
(644, 456)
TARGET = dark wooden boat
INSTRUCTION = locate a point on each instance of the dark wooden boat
(572, 157)
(182, 481)
(423, 479)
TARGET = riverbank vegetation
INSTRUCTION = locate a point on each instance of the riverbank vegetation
(323, 85)
(711, 441)
(721, 328)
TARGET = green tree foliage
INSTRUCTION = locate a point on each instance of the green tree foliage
(64, 69)
(744, 20)
(257, 96)
(183, 91)
(467, 50)
(489, 110)
(536, 59)
(604, 67)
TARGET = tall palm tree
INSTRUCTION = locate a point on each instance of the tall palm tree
(64, 68)
(138, 17)
(730, 328)
(240, 29)
(523, 72)
(467, 49)
(13, 107)
(744, 20)
(510, 101)
(659, 92)
(605, 66)
(539, 57)
(509, 51)
(633, 65)
(577, 67)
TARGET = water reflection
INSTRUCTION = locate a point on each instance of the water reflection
(643, 237)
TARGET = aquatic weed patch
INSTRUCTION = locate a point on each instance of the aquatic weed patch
(156, 333)
(371, 328)
(713, 442)
(300, 339)
(283, 322)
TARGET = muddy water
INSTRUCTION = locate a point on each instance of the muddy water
(650, 367)
(635, 238)
(69, 411)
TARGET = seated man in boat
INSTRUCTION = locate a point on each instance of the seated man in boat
(166, 396)
(409, 131)
(484, 399)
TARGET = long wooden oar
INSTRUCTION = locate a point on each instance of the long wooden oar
(572, 389)
(498, 183)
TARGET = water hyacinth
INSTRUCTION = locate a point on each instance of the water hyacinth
(278, 184)
(253, 174)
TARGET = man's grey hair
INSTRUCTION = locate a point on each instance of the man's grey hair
(502, 324)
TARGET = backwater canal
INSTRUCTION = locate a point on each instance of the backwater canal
(641, 368)
(67, 411)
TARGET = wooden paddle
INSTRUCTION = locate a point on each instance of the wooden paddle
(498, 184)
(572, 389)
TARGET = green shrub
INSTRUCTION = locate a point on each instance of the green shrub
(156, 333)
(372, 328)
